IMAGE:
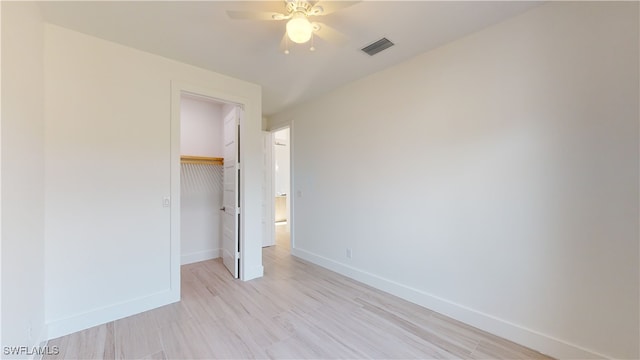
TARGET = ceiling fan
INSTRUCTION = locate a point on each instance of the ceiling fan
(299, 28)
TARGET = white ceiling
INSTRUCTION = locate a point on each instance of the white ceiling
(200, 33)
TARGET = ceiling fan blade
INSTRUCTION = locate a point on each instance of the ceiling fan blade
(255, 15)
(329, 34)
(328, 7)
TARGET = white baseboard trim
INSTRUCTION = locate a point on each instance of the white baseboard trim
(198, 256)
(532, 339)
(104, 315)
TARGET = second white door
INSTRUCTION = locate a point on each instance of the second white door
(230, 197)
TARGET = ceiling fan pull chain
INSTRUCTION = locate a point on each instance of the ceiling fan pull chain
(286, 45)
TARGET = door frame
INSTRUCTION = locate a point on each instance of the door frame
(248, 270)
(268, 213)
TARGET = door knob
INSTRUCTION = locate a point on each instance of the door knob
(223, 208)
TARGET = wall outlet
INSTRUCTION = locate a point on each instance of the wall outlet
(349, 253)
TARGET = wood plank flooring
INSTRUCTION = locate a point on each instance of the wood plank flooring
(296, 311)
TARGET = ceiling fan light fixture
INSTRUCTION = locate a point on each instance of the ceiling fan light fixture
(299, 29)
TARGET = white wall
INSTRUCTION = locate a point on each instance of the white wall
(200, 128)
(201, 134)
(494, 179)
(22, 175)
(110, 162)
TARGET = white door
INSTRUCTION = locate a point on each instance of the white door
(230, 197)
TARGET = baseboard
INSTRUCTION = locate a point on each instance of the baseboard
(532, 339)
(104, 315)
(198, 256)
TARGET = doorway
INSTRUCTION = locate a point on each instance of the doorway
(282, 187)
(209, 180)
(247, 99)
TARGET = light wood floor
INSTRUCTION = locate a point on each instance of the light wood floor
(296, 311)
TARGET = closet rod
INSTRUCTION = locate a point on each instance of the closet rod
(188, 159)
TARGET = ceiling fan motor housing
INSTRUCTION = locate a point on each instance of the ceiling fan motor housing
(298, 6)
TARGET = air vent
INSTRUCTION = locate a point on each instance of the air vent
(377, 46)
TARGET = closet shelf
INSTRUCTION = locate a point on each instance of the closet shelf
(188, 159)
